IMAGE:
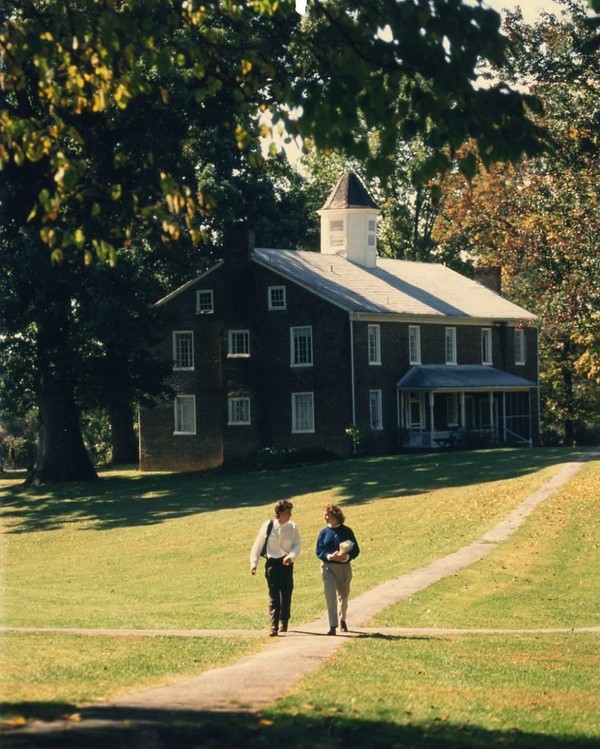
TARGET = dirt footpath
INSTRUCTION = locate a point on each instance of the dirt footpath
(252, 682)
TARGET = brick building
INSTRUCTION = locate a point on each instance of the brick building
(289, 350)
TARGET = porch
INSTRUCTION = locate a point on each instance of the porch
(463, 406)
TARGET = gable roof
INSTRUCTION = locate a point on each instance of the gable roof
(460, 377)
(349, 192)
(394, 287)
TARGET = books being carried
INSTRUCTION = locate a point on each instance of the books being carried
(346, 547)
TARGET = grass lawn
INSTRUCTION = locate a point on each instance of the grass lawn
(172, 551)
(518, 689)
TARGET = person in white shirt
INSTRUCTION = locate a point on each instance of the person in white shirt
(279, 541)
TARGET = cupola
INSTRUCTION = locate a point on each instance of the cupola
(349, 222)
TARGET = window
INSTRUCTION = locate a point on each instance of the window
(183, 349)
(416, 410)
(375, 409)
(301, 346)
(238, 343)
(277, 297)
(239, 410)
(414, 344)
(185, 414)
(374, 344)
(204, 302)
(452, 409)
(486, 345)
(336, 233)
(520, 346)
(372, 233)
(450, 345)
(303, 412)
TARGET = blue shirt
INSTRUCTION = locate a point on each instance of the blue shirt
(329, 541)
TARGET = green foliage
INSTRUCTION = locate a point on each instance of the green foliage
(406, 69)
(539, 219)
(70, 68)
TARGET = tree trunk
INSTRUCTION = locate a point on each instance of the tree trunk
(124, 441)
(569, 420)
(61, 454)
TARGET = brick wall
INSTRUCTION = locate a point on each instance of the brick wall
(240, 291)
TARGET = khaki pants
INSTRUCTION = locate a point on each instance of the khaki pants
(336, 585)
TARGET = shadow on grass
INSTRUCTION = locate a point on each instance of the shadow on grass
(144, 729)
(144, 499)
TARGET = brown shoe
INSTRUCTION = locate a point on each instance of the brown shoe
(283, 627)
(273, 632)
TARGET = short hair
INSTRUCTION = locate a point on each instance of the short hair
(282, 506)
(336, 512)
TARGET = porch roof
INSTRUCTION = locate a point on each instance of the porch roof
(460, 377)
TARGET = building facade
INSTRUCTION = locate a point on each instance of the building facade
(295, 350)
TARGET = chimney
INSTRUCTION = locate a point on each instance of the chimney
(490, 276)
(238, 245)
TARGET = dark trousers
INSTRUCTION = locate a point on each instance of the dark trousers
(280, 581)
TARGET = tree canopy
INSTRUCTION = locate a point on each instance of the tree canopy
(128, 128)
(335, 75)
(539, 219)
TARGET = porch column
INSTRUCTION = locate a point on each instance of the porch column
(463, 419)
(491, 402)
(504, 416)
(431, 399)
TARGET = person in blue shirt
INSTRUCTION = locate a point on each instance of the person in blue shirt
(336, 547)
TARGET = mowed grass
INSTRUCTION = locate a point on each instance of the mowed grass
(172, 551)
(546, 575)
(536, 689)
(47, 675)
(406, 511)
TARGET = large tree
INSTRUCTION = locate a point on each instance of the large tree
(100, 101)
(539, 219)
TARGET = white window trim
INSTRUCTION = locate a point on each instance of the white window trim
(230, 407)
(176, 334)
(277, 307)
(450, 336)
(293, 348)
(379, 402)
(295, 429)
(520, 355)
(414, 334)
(230, 338)
(486, 334)
(376, 331)
(212, 302)
(187, 398)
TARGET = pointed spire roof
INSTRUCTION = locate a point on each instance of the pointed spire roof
(349, 192)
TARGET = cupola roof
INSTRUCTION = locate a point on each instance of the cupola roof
(349, 192)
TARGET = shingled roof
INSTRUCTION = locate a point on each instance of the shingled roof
(349, 192)
(394, 287)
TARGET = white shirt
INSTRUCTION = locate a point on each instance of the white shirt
(284, 540)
